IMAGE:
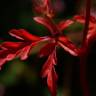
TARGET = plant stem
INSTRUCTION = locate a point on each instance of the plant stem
(83, 70)
(87, 18)
(84, 53)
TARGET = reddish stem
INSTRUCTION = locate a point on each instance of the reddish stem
(84, 53)
(87, 18)
(83, 70)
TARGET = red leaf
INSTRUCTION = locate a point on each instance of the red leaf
(10, 45)
(5, 55)
(43, 7)
(51, 81)
(23, 35)
(48, 24)
(46, 2)
(68, 46)
(49, 72)
(81, 19)
(92, 30)
(37, 6)
(11, 50)
(51, 61)
(47, 49)
(64, 24)
(2, 61)
(92, 26)
(8, 55)
(24, 52)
